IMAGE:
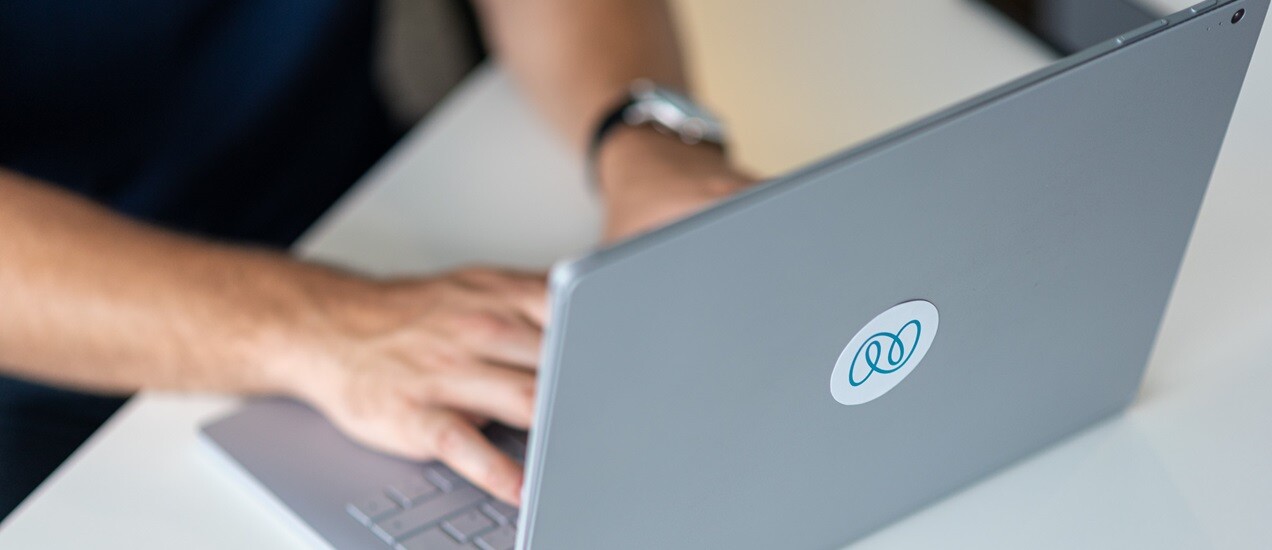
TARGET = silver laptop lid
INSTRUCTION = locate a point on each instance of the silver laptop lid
(686, 396)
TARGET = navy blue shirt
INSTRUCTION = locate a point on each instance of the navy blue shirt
(236, 119)
(239, 119)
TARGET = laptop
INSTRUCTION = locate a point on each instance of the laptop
(828, 352)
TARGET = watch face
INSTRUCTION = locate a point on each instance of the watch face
(679, 101)
(675, 113)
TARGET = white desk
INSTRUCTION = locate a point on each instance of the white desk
(1190, 465)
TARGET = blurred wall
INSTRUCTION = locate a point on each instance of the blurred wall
(801, 79)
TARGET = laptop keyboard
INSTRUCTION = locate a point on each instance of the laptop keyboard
(438, 510)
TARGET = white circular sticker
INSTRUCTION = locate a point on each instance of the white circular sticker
(884, 352)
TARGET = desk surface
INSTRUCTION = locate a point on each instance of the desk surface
(1185, 467)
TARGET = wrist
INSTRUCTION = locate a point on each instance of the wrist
(632, 156)
(648, 179)
(313, 329)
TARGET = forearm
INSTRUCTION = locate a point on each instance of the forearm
(575, 57)
(90, 299)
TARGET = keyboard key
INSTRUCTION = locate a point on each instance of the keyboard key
(446, 479)
(413, 492)
(493, 514)
(372, 508)
(433, 539)
(426, 514)
(503, 538)
(500, 512)
(468, 524)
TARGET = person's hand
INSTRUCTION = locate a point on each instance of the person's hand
(418, 367)
(649, 179)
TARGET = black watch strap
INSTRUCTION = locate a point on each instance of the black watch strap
(613, 118)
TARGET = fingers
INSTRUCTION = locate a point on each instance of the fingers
(532, 301)
(526, 293)
(495, 337)
(464, 353)
(498, 316)
(462, 447)
(513, 341)
(489, 391)
(405, 427)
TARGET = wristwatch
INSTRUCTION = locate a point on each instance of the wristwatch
(665, 110)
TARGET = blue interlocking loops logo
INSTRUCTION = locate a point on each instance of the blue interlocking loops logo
(884, 352)
(874, 359)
